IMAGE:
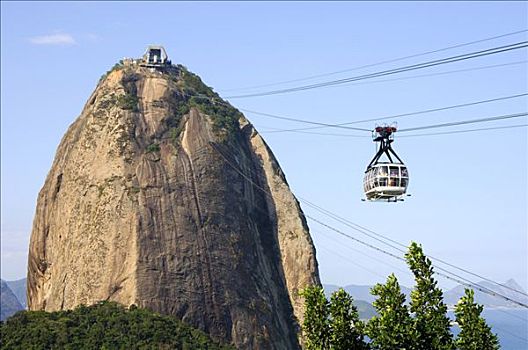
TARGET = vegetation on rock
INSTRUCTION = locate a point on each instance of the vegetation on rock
(153, 148)
(224, 116)
(117, 66)
(193, 84)
(174, 121)
(106, 325)
(128, 102)
(193, 93)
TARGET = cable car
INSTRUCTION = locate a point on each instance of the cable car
(385, 181)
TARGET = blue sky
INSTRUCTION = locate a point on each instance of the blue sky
(469, 191)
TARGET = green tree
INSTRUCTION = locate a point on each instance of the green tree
(393, 328)
(316, 324)
(345, 327)
(431, 324)
(105, 325)
(474, 334)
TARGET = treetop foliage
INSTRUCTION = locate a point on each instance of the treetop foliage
(431, 324)
(346, 328)
(316, 323)
(331, 324)
(106, 325)
(422, 325)
(474, 333)
(393, 327)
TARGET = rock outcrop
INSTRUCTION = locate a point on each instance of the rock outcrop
(164, 196)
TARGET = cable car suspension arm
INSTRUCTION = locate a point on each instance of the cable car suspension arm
(385, 147)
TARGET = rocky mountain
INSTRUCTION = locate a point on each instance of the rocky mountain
(8, 302)
(163, 195)
(18, 287)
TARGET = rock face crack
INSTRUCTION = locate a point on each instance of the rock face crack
(191, 182)
(57, 186)
(139, 210)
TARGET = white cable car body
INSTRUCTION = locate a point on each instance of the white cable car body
(385, 181)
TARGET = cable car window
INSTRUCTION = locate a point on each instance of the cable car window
(404, 172)
(383, 181)
(394, 182)
(403, 182)
(383, 171)
(394, 171)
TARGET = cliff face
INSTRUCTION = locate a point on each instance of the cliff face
(166, 199)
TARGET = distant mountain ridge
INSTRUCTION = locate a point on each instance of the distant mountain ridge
(451, 297)
(9, 303)
(360, 292)
(364, 305)
(18, 287)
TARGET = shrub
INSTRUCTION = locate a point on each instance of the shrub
(128, 102)
(224, 117)
(153, 148)
(116, 66)
(193, 82)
